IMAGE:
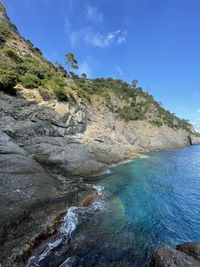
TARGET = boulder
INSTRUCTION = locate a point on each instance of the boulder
(168, 257)
(191, 249)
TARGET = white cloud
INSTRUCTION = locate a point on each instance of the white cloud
(93, 14)
(100, 40)
(84, 68)
(119, 70)
(89, 34)
(122, 38)
(95, 38)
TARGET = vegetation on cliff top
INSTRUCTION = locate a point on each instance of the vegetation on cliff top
(52, 81)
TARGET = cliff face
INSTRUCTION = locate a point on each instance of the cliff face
(79, 137)
(79, 140)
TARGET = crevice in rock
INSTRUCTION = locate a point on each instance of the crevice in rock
(190, 140)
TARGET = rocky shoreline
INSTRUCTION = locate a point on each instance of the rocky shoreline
(48, 146)
(43, 220)
(42, 146)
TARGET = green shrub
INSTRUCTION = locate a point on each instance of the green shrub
(36, 67)
(4, 31)
(56, 86)
(131, 113)
(83, 94)
(11, 54)
(61, 94)
(8, 74)
(46, 94)
(30, 81)
(8, 79)
(156, 122)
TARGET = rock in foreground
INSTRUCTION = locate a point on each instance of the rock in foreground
(191, 249)
(186, 255)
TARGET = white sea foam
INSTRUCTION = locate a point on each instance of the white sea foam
(74, 217)
(35, 260)
(70, 221)
(68, 262)
(79, 215)
(49, 248)
(141, 156)
(99, 189)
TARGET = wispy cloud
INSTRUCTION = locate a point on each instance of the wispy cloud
(90, 34)
(119, 70)
(93, 14)
(198, 110)
(122, 38)
(102, 40)
(95, 38)
(84, 68)
(68, 26)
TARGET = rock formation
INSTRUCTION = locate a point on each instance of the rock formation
(185, 255)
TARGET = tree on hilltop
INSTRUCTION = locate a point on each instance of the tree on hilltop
(134, 84)
(71, 61)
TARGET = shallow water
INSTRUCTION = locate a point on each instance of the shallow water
(150, 202)
(153, 201)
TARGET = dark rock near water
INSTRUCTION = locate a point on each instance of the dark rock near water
(186, 256)
(191, 249)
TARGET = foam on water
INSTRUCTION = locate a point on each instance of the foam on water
(142, 156)
(79, 215)
(73, 218)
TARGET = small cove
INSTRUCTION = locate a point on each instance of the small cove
(149, 202)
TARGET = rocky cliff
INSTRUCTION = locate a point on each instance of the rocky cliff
(54, 125)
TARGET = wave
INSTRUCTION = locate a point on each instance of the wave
(142, 156)
(79, 215)
(74, 217)
(99, 189)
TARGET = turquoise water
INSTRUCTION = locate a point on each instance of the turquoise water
(147, 203)
(151, 202)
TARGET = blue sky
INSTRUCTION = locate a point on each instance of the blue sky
(154, 41)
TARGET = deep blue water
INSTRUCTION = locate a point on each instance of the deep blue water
(152, 202)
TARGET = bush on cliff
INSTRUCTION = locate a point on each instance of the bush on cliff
(4, 31)
(8, 74)
(30, 81)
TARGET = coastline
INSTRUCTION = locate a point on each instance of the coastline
(52, 222)
(98, 175)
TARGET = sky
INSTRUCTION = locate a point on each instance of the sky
(156, 42)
